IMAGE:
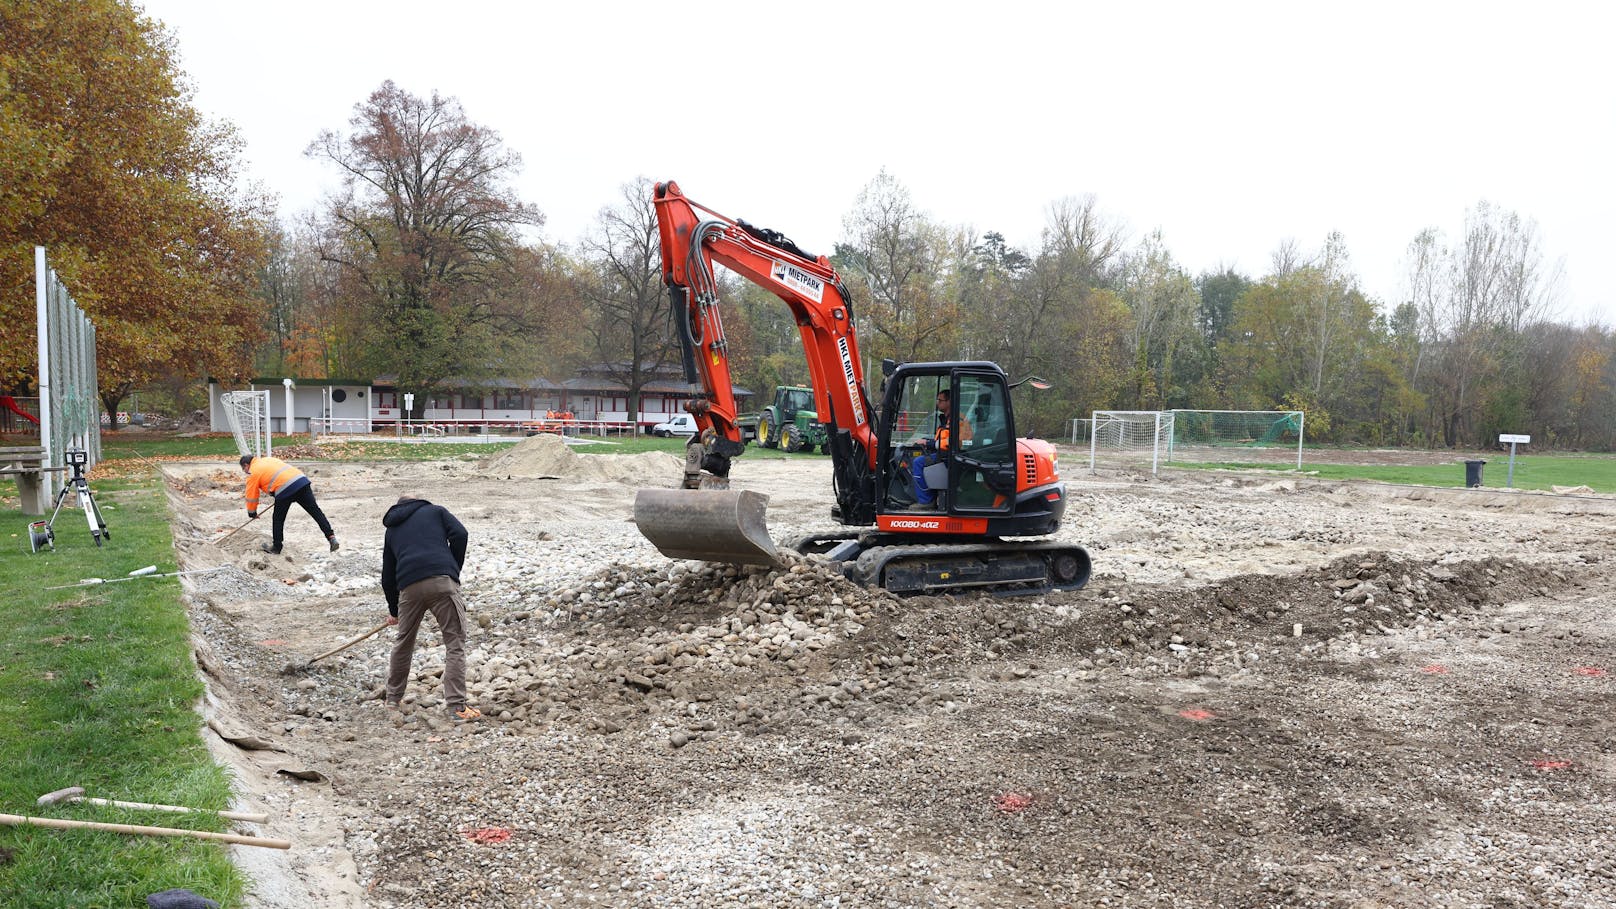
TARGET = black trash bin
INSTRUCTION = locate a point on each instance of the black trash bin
(1473, 473)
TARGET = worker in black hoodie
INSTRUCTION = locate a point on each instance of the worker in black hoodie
(422, 555)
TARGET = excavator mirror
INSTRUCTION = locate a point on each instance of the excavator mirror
(887, 366)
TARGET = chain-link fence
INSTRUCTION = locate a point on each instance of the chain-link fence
(70, 400)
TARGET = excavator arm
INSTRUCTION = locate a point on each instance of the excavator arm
(708, 522)
(693, 238)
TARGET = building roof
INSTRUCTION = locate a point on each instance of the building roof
(312, 382)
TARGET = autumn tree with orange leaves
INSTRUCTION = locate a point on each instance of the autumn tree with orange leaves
(105, 162)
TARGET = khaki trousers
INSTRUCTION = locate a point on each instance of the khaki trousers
(440, 596)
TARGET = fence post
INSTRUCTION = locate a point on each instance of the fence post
(42, 310)
(1094, 433)
(1155, 447)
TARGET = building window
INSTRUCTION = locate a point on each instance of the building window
(509, 400)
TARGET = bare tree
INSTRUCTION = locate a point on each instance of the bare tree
(1162, 299)
(901, 260)
(1287, 258)
(1475, 301)
(628, 304)
(1329, 310)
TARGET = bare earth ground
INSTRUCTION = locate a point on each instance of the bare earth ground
(1273, 693)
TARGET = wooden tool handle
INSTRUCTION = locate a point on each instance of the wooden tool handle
(340, 648)
(249, 816)
(15, 820)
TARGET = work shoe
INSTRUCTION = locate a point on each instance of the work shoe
(270, 548)
(465, 713)
(333, 541)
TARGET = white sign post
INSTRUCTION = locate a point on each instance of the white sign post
(409, 405)
(1513, 440)
(291, 423)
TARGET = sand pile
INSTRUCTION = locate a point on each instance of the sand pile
(546, 455)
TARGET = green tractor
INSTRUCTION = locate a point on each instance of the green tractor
(790, 422)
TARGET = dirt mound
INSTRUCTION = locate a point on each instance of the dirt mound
(547, 455)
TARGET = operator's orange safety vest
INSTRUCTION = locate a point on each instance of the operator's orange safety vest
(268, 475)
(965, 434)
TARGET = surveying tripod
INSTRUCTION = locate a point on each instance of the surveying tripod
(43, 533)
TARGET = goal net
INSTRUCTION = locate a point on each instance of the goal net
(1267, 435)
(248, 413)
(1130, 438)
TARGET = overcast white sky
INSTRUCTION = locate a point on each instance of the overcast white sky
(1228, 126)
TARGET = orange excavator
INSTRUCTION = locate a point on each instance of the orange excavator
(985, 492)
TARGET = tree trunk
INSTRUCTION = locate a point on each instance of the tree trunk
(111, 397)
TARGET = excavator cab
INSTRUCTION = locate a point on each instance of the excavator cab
(967, 451)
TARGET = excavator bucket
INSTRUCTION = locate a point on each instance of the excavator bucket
(709, 525)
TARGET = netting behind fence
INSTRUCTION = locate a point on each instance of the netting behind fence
(70, 399)
(1278, 430)
(248, 415)
(1135, 438)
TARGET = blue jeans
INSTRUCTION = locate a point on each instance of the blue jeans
(917, 466)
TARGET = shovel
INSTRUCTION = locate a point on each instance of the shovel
(295, 667)
(233, 532)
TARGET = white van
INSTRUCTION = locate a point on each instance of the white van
(678, 425)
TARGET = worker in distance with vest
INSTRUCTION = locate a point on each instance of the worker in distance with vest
(287, 484)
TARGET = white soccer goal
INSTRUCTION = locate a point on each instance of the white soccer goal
(248, 413)
(1254, 431)
(1130, 437)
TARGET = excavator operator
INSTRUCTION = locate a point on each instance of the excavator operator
(925, 497)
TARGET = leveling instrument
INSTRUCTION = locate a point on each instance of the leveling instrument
(42, 534)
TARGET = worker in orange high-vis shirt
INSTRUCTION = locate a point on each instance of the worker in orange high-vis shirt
(287, 484)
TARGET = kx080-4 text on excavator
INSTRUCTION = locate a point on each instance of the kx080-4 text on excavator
(991, 490)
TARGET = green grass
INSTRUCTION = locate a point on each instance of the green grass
(97, 690)
(114, 447)
(1531, 471)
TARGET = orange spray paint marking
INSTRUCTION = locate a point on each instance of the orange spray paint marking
(1551, 765)
(1434, 669)
(1012, 802)
(272, 642)
(1592, 672)
(488, 836)
(1196, 714)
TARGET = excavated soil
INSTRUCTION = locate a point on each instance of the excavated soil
(1273, 693)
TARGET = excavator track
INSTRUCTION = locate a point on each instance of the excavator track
(903, 566)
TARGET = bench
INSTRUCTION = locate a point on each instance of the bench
(27, 464)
